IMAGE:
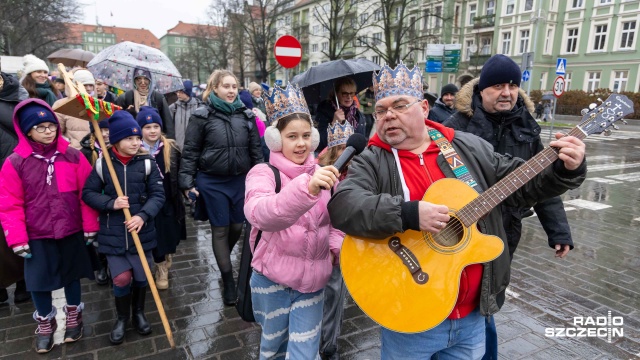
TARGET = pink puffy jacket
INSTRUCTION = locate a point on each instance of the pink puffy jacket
(297, 237)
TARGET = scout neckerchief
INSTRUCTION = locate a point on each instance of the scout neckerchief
(49, 162)
(453, 159)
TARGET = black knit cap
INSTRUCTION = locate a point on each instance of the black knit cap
(449, 89)
(499, 69)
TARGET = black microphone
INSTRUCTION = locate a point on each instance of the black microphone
(355, 145)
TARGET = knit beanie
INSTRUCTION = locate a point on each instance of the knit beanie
(188, 87)
(148, 115)
(499, 69)
(449, 89)
(34, 114)
(84, 77)
(103, 124)
(253, 86)
(121, 126)
(245, 97)
(32, 63)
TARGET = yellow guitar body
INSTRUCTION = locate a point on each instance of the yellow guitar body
(409, 282)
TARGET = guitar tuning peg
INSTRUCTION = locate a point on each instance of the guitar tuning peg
(615, 127)
(584, 112)
(592, 106)
(607, 132)
(600, 100)
(624, 121)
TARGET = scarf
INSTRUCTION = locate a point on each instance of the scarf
(140, 98)
(45, 93)
(350, 114)
(223, 106)
(49, 162)
(154, 150)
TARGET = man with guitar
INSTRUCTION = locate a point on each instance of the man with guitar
(383, 195)
(497, 110)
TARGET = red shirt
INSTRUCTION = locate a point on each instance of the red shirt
(420, 171)
(124, 159)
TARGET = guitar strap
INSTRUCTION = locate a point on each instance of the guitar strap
(453, 159)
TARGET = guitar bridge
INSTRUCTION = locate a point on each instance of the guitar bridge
(409, 260)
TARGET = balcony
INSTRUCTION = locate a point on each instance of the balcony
(486, 21)
(478, 59)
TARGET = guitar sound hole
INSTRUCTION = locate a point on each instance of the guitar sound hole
(451, 234)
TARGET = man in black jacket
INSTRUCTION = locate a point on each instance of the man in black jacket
(11, 266)
(444, 107)
(494, 108)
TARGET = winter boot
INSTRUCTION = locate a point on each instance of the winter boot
(21, 294)
(229, 296)
(73, 331)
(140, 322)
(123, 309)
(169, 259)
(162, 275)
(102, 276)
(44, 333)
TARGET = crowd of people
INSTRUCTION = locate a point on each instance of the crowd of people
(257, 156)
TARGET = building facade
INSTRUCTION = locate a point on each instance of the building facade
(96, 38)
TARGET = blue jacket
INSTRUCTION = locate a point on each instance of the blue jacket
(146, 197)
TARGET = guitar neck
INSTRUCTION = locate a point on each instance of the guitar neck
(499, 192)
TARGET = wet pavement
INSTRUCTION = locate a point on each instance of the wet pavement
(601, 274)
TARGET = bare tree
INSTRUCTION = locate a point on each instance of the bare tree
(36, 26)
(396, 26)
(340, 24)
(206, 51)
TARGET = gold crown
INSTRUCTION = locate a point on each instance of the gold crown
(281, 102)
(398, 81)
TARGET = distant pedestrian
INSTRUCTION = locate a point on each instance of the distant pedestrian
(547, 112)
(256, 96)
(182, 109)
(144, 196)
(35, 80)
(444, 107)
(44, 219)
(539, 109)
(170, 221)
(367, 102)
(261, 120)
(298, 246)
(103, 93)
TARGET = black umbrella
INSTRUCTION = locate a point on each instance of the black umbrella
(548, 97)
(317, 82)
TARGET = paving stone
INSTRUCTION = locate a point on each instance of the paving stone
(214, 346)
(127, 350)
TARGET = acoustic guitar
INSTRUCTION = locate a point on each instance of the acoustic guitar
(409, 281)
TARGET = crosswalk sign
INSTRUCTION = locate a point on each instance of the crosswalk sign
(561, 67)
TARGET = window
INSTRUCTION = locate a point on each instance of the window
(524, 41)
(528, 5)
(178, 51)
(543, 80)
(90, 39)
(364, 18)
(438, 17)
(377, 15)
(99, 39)
(325, 46)
(469, 47)
(567, 81)
(593, 80)
(490, 7)
(628, 34)
(314, 48)
(314, 63)
(600, 38)
(572, 40)
(620, 79)
(511, 4)
(605, 2)
(108, 41)
(547, 42)
(377, 38)
(456, 16)
(473, 10)
(575, 4)
(486, 46)
(176, 40)
(506, 43)
(376, 59)
(287, 20)
(315, 30)
(425, 19)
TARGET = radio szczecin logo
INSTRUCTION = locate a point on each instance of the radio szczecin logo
(586, 326)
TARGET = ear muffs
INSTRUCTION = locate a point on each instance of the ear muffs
(273, 139)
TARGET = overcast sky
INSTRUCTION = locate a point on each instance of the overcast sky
(155, 15)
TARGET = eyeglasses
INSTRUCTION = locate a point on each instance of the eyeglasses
(349, 94)
(398, 109)
(42, 128)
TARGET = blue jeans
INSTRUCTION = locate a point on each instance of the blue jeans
(290, 319)
(462, 339)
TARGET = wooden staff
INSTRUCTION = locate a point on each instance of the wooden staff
(127, 215)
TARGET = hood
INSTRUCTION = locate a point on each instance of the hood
(446, 131)
(9, 90)
(464, 98)
(290, 168)
(24, 149)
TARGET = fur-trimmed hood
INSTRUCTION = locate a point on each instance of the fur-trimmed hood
(464, 98)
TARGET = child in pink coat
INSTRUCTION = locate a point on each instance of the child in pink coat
(298, 246)
(44, 218)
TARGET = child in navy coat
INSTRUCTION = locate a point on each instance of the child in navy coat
(144, 196)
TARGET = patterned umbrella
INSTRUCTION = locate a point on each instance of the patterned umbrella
(116, 64)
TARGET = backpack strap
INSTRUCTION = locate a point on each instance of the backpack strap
(276, 174)
(147, 168)
(99, 169)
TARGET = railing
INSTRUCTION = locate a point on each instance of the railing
(484, 21)
(478, 59)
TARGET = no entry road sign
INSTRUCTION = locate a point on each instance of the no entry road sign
(288, 51)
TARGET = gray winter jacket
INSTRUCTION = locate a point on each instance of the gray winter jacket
(369, 202)
(181, 111)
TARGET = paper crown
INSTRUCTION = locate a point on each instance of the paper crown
(338, 134)
(281, 102)
(398, 81)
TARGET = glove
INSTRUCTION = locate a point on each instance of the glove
(90, 237)
(22, 250)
